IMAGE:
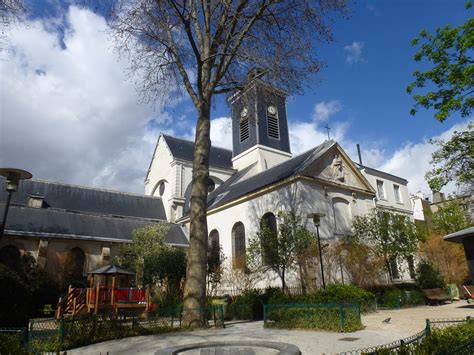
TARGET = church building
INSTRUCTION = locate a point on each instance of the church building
(260, 177)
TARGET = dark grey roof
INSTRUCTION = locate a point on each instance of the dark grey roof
(458, 236)
(51, 223)
(382, 173)
(111, 270)
(233, 188)
(86, 199)
(183, 149)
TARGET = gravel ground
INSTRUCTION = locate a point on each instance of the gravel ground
(403, 323)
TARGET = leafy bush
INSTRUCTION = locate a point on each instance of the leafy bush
(428, 276)
(445, 340)
(340, 294)
(317, 317)
(248, 305)
(11, 344)
(16, 301)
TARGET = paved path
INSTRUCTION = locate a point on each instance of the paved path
(403, 323)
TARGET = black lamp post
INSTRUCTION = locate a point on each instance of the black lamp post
(13, 177)
(317, 222)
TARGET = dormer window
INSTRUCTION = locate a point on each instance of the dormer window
(244, 124)
(273, 127)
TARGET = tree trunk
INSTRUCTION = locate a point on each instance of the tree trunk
(283, 284)
(195, 285)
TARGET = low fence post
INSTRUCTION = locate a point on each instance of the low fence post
(428, 327)
(342, 317)
(61, 330)
(469, 319)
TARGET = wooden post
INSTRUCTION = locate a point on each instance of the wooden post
(73, 306)
(112, 296)
(96, 305)
(58, 308)
(147, 296)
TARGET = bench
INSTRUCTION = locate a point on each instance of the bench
(436, 295)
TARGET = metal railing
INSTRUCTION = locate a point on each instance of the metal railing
(73, 332)
(406, 345)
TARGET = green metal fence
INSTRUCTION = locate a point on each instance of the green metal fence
(335, 317)
(51, 334)
(407, 345)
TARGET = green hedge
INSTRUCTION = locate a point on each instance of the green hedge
(343, 318)
(11, 344)
(396, 295)
(446, 340)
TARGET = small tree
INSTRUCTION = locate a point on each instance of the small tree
(453, 161)
(450, 75)
(449, 218)
(393, 237)
(152, 259)
(428, 276)
(279, 252)
(215, 260)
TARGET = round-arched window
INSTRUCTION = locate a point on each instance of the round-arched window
(238, 246)
(161, 188)
(211, 185)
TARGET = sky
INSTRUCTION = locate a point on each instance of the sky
(70, 112)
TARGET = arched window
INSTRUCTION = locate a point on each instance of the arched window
(159, 188)
(273, 127)
(238, 246)
(268, 235)
(214, 249)
(78, 260)
(342, 215)
(10, 256)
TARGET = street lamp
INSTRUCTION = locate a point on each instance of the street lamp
(316, 217)
(13, 177)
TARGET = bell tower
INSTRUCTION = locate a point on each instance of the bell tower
(259, 126)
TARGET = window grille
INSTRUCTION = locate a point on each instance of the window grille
(244, 129)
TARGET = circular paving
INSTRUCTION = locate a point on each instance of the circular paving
(233, 348)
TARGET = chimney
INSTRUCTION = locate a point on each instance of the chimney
(35, 201)
(360, 155)
(438, 197)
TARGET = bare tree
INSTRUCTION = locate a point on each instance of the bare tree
(206, 48)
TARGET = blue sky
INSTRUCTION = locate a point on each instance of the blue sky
(67, 98)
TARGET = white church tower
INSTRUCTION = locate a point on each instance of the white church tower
(259, 127)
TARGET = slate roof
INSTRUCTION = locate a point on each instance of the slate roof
(234, 188)
(183, 149)
(379, 172)
(87, 199)
(458, 236)
(111, 270)
(76, 212)
(51, 223)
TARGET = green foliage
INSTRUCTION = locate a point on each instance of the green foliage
(29, 289)
(11, 344)
(449, 218)
(428, 276)
(152, 259)
(451, 74)
(446, 340)
(392, 236)
(248, 305)
(397, 295)
(314, 316)
(279, 252)
(453, 161)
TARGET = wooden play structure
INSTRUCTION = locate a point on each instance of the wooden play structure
(105, 294)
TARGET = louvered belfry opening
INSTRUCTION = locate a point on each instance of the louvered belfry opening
(273, 126)
(244, 129)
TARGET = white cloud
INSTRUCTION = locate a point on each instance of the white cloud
(221, 132)
(70, 114)
(325, 109)
(354, 52)
(412, 161)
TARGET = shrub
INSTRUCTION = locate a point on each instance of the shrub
(339, 294)
(11, 344)
(428, 276)
(248, 305)
(316, 317)
(444, 341)
(16, 301)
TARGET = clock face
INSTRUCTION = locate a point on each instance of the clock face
(272, 110)
(244, 113)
